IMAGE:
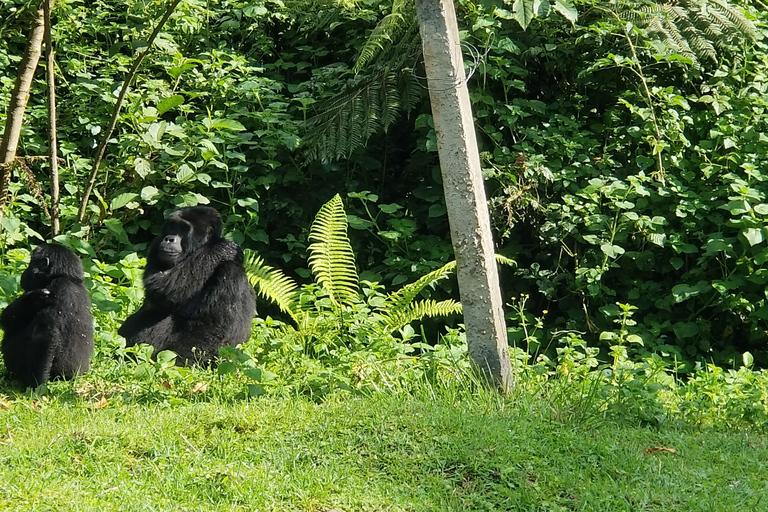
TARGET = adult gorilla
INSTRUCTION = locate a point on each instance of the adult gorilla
(196, 295)
(49, 329)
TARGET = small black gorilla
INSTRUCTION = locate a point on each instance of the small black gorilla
(49, 329)
(196, 293)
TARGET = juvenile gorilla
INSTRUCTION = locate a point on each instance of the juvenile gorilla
(196, 295)
(49, 329)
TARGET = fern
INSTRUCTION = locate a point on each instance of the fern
(331, 258)
(399, 318)
(696, 29)
(272, 284)
(400, 299)
(372, 101)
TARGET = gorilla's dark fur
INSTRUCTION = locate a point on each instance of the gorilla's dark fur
(197, 296)
(49, 329)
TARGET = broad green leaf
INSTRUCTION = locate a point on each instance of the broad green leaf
(523, 12)
(116, 228)
(754, 236)
(148, 193)
(184, 174)
(612, 251)
(356, 222)
(677, 263)
(683, 292)
(747, 359)
(166, 356)
(169, 103)
(122, 200)
(738, 207)
(685, 330)
(567, 9)
(227, 124)
(389, 208)
(142, 167)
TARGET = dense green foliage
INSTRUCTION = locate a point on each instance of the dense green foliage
(625, 162)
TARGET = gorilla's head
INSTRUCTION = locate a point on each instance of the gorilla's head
(185, 231)
(48, 262)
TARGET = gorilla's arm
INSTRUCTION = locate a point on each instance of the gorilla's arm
(20, 312)
(224, 295)
(174, 287)
(147, 314)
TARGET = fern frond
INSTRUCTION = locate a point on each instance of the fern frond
(387, 33)
(503, 260)
(384, 90)
(272, 284)
(696, 29)
(417, 310)
(347, 121)
(381, 36)
(331, 258)
(400, 299)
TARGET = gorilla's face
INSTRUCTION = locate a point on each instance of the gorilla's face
(174, 241)
(185, 231)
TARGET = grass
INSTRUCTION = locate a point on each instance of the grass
(377, 453)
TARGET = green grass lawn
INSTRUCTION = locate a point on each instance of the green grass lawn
(363, 454)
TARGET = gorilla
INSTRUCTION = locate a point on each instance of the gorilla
(197, 297)
(49, 329)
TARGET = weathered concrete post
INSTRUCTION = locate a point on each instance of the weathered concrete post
(464, 192)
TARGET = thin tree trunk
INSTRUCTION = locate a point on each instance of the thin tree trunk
(18, 104)
(116, 113)
(53, 143)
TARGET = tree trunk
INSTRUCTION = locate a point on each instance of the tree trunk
(464, 192)
(18, 104)
(53, 143)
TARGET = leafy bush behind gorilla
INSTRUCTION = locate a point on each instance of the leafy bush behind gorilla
(197, 297)
(49, 329)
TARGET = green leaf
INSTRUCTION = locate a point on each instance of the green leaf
(116, 228)
(612, 251)
(331, 258)
(567, 9)
(166, 356)
(169, 103)
(738, 207)
(122, 200)
(685, 330)
(754, 236)
(149, 193)
(683, 292)
(184, 174)
(142, 167)
(523, 12)
(677, 263)
(227, 124)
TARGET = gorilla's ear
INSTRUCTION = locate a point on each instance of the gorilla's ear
(47, 262)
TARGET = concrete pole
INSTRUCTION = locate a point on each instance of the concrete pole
(464, 192)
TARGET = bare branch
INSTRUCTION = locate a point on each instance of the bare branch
(116, 113)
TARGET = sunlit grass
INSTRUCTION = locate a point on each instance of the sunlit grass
(431, 451)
